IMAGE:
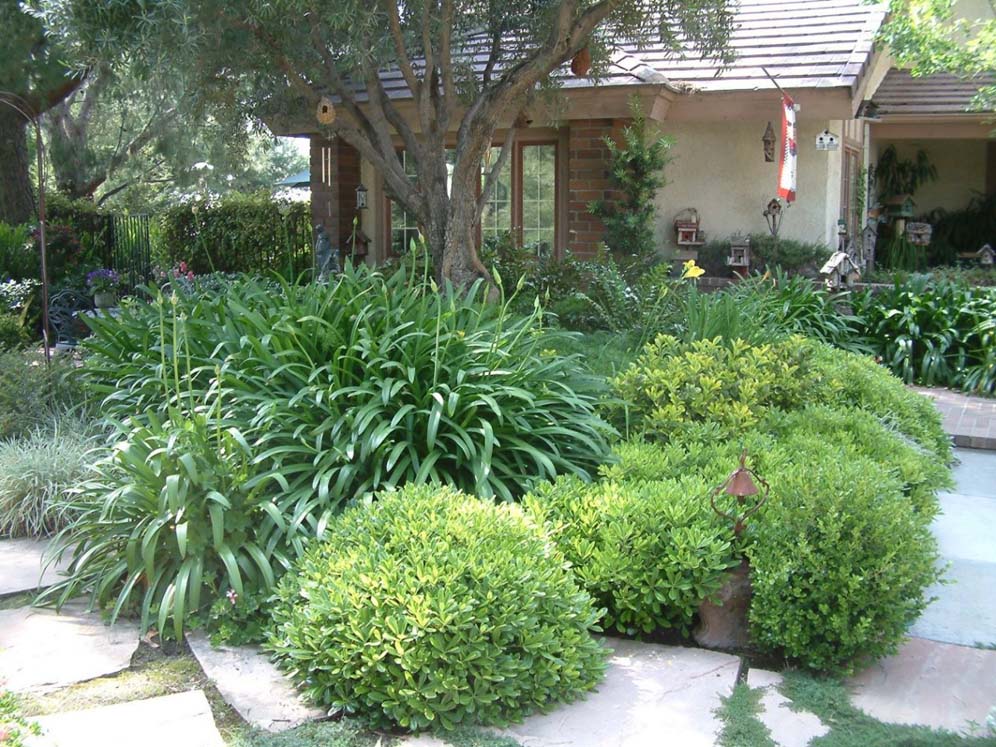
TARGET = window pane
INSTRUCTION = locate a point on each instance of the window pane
(497, 216)
(539, 177)
(404, 227)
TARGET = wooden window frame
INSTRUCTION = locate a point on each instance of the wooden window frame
(523, 140)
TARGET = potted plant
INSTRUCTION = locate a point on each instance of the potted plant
(104, 284)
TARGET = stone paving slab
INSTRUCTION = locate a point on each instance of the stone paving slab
(975, 472)
(788, 728)
(21, 566)
(971, 421)
(180, 720)
(939, 685)
(41, 650)
(964, 611)
(252, 685)
(652, 695)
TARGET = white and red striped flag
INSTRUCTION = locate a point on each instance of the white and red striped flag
(788, 163)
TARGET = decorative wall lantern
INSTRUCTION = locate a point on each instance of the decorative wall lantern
(773, 214)
(826, 140)
(361, 197)
(769, 144)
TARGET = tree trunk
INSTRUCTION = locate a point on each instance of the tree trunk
(17, 202)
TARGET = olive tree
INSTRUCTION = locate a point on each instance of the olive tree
(465, 69)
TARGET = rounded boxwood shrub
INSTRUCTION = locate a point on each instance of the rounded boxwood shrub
(840, 562)
(649, 551)
(431, 607)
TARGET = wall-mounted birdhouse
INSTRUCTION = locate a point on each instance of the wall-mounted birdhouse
(826, 140)
(986, 256)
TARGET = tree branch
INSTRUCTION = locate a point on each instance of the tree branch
(495, 174)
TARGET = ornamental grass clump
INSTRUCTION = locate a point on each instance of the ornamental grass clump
(434, 608)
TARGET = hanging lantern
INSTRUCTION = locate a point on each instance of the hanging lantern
(581, 64)
(769, 144)
(326, 111)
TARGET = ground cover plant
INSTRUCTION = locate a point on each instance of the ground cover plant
(431, 607)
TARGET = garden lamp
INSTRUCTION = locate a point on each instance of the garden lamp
(740, 484)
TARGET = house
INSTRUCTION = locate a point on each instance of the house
(821, 52)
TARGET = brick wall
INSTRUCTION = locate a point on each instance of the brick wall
(335, 175)
(588, 179)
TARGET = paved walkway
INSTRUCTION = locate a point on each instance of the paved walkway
(965, 609)
(970, 420)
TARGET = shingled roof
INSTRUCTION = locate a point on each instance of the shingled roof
(802, 43)
(900, 94)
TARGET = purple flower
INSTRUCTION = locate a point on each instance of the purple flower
(103, 280)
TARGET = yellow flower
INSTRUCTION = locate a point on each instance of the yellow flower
(691, 270)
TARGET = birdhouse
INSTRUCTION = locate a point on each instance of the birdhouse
(358, 244)
(687, 230)
(826, 140)
(986, 256)
(840, 270)
(919, 233)
(739, 258)
(900, 206)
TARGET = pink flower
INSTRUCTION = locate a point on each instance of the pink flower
(183, 267)
(190, 276)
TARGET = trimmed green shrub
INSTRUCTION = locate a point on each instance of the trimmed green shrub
(17, 257)
(649, 552)
(842, 553)
(35, 473)
(364, 384)
(840, 562)
(430, 607)
(32, 393)
(172, 520)
(732, 386)
(240, 233)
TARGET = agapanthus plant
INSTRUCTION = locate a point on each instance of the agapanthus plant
(103, 280)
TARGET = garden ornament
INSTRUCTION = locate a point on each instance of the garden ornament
(773, 215)
(326, 258)
(741, 485)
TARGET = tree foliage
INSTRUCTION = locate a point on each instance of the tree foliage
(457, 69)
(928, 36)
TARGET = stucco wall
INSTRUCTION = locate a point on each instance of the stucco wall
(961, 170)
(719, 169)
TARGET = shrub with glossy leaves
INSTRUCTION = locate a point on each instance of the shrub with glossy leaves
(431, 607)
(649, 552)
(841, 554)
